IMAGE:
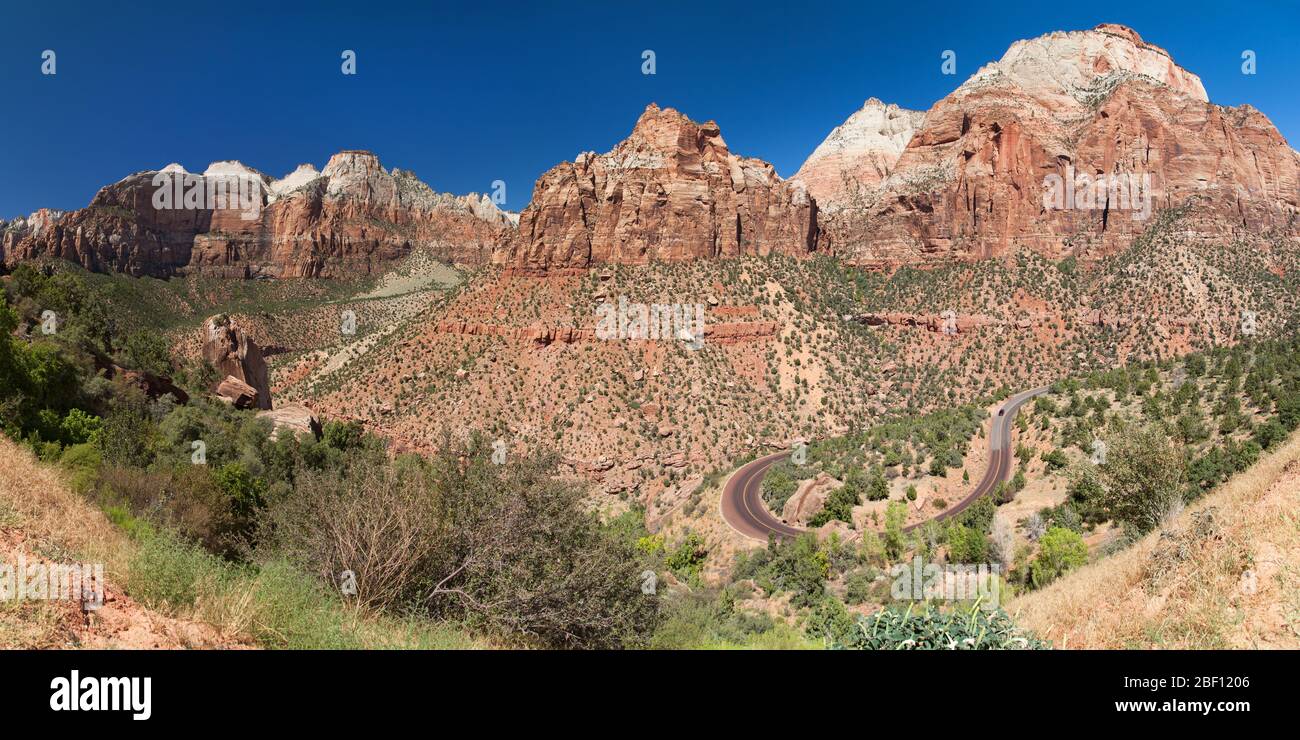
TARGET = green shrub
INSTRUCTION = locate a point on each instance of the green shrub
(829, 622)
(967, 545)
(128, 436)
(1143, 477)
(779, 484)
(1055, 460)
(935, 629)
(800, 567)
(687, 559)
(82, 462)
(147, 351)
(839, 506)
(1060, 551)
(342, 435)
(895, 540)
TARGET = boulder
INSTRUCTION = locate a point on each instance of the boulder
(809, 499)
(294, 418)
(237, 392)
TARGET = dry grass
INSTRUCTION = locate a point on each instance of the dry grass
(1225, 573)
(43, 520)
(228, 607)
(58, 523)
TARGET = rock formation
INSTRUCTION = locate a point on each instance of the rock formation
(858, 154)
(353, 216)
(1070, 144)
(241, 371)
(293, 418)
(542, 335)
(671, 191)
(988, 167)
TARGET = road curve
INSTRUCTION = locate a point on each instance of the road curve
(742, 496)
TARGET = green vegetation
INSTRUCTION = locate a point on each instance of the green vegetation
(219, 509)
(781, 482)
(1060, 550)
(933, 442)
(936, 629)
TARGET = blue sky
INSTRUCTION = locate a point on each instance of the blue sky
(466, 93)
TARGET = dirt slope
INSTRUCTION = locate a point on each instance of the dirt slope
(41, 520)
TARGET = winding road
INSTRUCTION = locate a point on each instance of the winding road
(742, 496)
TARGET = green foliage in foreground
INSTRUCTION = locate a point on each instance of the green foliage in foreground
(934, 629)
(276, 604)
(710, 620)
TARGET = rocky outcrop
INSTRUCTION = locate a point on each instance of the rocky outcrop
(542, 335)
(40, 222)
(238, 393)
(953, 323)
(153, 386)
(244, 379)
(671, 191)
(1007, 159)
(293, 418)
(669, 500)
(353, 216)
(858, 154)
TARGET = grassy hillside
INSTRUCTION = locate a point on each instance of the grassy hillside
(165, 592)
(1224, 573)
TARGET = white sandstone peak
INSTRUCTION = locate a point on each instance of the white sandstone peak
(1065, 65)
(231, 167)
(304, 174)
(862, 150)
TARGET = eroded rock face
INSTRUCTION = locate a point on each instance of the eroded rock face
(976, 178)
(671, 191)
(353, 216)
(294, 418)
(244, 379)
(858, 154)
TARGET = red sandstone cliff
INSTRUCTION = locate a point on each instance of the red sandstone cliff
(353, 216)
(671, 191)
(972, 179)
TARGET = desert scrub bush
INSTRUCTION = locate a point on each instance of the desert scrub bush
(1143, 477)
(687, 559)
(1060, 551)
(780, 483)
(936, 629)
(800, 567)
(276, 604)
(506, 548)
(710, 619)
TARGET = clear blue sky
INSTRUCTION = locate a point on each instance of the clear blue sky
(470, 92)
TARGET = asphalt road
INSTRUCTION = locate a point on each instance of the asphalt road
(742, 497)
